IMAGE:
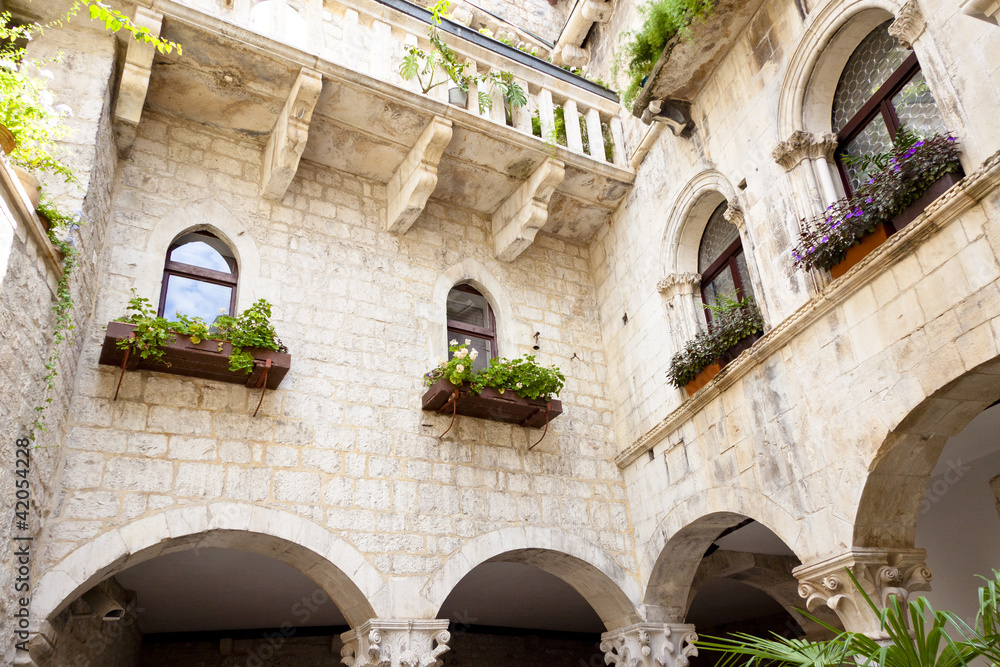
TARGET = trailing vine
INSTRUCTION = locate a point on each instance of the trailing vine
(60, 232)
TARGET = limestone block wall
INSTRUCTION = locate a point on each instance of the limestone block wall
(343, 442)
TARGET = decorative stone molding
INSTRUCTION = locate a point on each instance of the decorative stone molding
(675, 114)
(416, 177)
(881, 573)
(135, 81)
(290, 133)
(802, 145)
(734, 214)
(391, 643)
(987, 10)
(909, 24)
(650, 645)
(520, 217)
(678, 283)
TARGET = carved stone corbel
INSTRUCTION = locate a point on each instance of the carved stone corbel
(135, 81)
(571, 55)
(734, 214)
(391, 643)
(987, 10)
(650, 645)
(790, 152)
(675, 114)
(416, 177)
(678, 283)
(290, 134)
(823, 146)
(881, 573)
(519, 218)
(909, 24)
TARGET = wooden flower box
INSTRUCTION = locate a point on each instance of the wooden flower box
(507, 407)
(203, 360)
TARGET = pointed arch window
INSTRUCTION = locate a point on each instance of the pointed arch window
(881, 90)
(199, 278)
(721, 261)
(470, 316)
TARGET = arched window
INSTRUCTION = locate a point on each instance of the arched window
(881, 90)
(470, 316)
(199, 278)
(721, 262)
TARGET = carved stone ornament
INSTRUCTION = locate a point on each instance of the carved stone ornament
(909, 24)
(734, 214)
(650, 645)
(802, 145)
(675, 114)
(678, 283)
(391, 643)
(881, 573)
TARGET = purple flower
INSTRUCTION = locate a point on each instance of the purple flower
(824, 239)
(858, 212)
(952, 139)
(918, 144)
(848, 215)
(812, 250)
(898, 168)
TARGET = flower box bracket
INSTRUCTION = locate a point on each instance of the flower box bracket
(507, 407)
(207, 359)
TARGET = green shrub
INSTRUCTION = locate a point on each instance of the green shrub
(732, 321)
(524, 376)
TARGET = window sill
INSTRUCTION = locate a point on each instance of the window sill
(202, 360)
(507, 407)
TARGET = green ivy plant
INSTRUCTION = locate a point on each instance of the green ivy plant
(60, 232)
(732, 321)
(524, 376)
(422, 65)
(250, 329)
(662, 21)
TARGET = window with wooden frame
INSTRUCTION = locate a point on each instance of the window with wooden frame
(880, 91)
(721, 262)
(470, 316)
(199, 278)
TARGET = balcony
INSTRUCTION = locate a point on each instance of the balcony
(321, 82)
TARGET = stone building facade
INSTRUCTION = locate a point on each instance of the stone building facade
(855, 433)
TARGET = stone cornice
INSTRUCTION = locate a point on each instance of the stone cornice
(952, 204)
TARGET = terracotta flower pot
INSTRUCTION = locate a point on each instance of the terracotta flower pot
(858, 252)
(7, 141)
(30, 184)
(703, 378)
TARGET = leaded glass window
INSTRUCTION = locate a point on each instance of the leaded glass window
(721, 261)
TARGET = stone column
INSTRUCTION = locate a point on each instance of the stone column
(678, 290)
(384, 642)
(650, 645)
(881, 574)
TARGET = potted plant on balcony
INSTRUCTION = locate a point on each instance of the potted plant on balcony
(736, 324)
(518, 391)
(903, 182)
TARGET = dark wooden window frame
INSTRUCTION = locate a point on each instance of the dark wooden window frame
(182, 270)
(726, 260)
(458, 330)
(880, 104)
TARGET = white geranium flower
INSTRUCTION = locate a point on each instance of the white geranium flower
(453, 342)
(473, 354)
(462, 354)
(468, 342)
(519, 385)
(442, 362)
(460, 368)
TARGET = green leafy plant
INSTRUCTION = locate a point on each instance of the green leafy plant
(870, 163)
(60, 232)
(523, 375)
(421, 65)
(732, 321)
(557, 136)
(662, 21)
(909, 172)
(916, 636)
(250, 329)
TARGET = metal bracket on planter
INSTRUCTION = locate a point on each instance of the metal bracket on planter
(548, 406)
(262, 383)
(453, 402)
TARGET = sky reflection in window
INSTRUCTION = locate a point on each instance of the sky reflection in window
(195, 298)
(199, 253)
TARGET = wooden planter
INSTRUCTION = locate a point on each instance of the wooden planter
(703, 378)
(858, 252)
(201, 360)
(729, 356)
(507, 407)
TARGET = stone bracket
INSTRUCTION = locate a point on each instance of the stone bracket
(881, 573)
(909, 24)
(585, 14)
(135, 81)
(650, 645)
(519, 218)
(392, 643)
(416, 177)
(675, 114)
(289, 136)
(987, 10)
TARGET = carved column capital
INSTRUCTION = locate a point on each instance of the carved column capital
(678, 283)
(391, 643)
(650, 645)
(801, 145)
(734, 214)
(881, 574)
(909, 24)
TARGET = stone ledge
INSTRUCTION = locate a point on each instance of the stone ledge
(22, 211)
(962, 197)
